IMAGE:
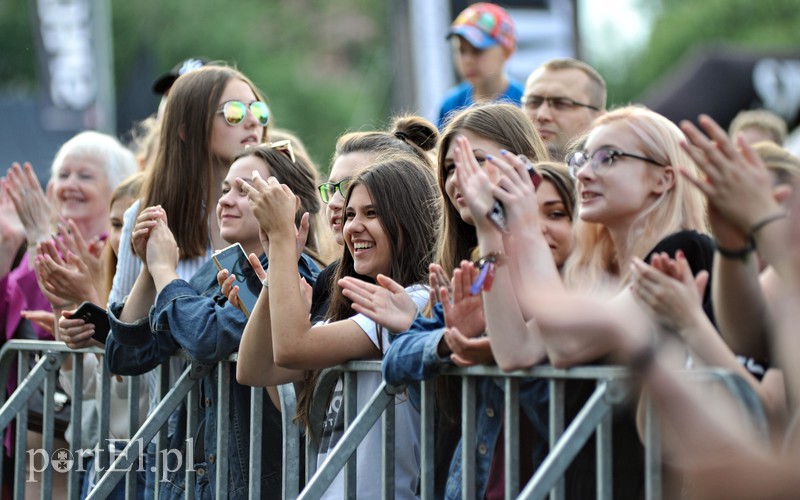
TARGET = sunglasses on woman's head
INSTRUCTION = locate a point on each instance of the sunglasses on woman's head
(235, 112)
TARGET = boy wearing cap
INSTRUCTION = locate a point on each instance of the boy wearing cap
(483, 39)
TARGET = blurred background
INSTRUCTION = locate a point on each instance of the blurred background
(328, 66)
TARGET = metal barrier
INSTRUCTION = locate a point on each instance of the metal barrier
(52, 354)
(565, 442)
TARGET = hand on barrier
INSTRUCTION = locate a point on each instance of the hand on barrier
(386, 303)
(468, 351)
(76, 333)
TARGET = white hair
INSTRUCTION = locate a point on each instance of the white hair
(116, 160)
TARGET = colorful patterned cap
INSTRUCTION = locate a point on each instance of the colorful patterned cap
(484, 25)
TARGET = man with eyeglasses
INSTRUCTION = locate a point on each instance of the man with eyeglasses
(562, 97)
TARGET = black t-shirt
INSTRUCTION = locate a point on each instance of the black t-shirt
(321, 291)
(699, 251)
(321, 295)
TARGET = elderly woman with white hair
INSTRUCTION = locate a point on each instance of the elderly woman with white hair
(85, 171)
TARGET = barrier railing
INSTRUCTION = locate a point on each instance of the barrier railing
(565, 441)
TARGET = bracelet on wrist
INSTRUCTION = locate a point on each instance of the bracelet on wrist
(764, 222)
(742, 253)
(488, 266)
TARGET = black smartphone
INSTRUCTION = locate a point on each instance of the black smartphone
(96, 315)
(497, 215)
(235, 261)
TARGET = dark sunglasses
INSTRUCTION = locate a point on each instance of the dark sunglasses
(327, 190)
(235, 112)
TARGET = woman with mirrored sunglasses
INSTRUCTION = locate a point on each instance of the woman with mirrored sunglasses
(197, 145)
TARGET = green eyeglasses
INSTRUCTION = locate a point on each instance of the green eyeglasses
(235, 112)
(327, 190)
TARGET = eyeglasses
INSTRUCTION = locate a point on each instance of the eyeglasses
(556, 103)
(235, 111)
(601, 160)
(327, 190)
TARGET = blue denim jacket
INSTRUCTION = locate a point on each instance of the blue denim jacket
(195, 316)
(413, 357)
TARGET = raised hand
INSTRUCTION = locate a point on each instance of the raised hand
(737, 184)
(667, 290)
(34, 212)
(65, 277)
(468, 351)
(387, 303)
(438, 279)
(465, 312)
(162, 250)
(515, 190)
(145, 222)
(73, 243)
(12, 232)
(274, 205)
(474, 182)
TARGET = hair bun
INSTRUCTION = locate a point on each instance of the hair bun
(416, 130)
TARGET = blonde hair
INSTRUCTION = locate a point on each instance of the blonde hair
(759, 119)
(784, 166)
(595, 261)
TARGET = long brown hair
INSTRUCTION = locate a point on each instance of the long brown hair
(509, 128)
(182, 179)
(403, 193)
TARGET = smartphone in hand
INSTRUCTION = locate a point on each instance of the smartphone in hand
(96, 315)
(497, 215)
(235, 261)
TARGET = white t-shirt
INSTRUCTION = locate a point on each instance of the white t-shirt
(368, 456)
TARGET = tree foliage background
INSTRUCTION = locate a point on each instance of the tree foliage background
(321, 63)
(681, 25)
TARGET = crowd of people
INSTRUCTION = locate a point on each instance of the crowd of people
(531, 225)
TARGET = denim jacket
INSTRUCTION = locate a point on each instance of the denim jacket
(413, 357)
(195, 317)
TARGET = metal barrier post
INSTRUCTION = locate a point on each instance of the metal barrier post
(427, 430)
(468, 438)
(511, 437)
(223, 429)
(557, 389)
